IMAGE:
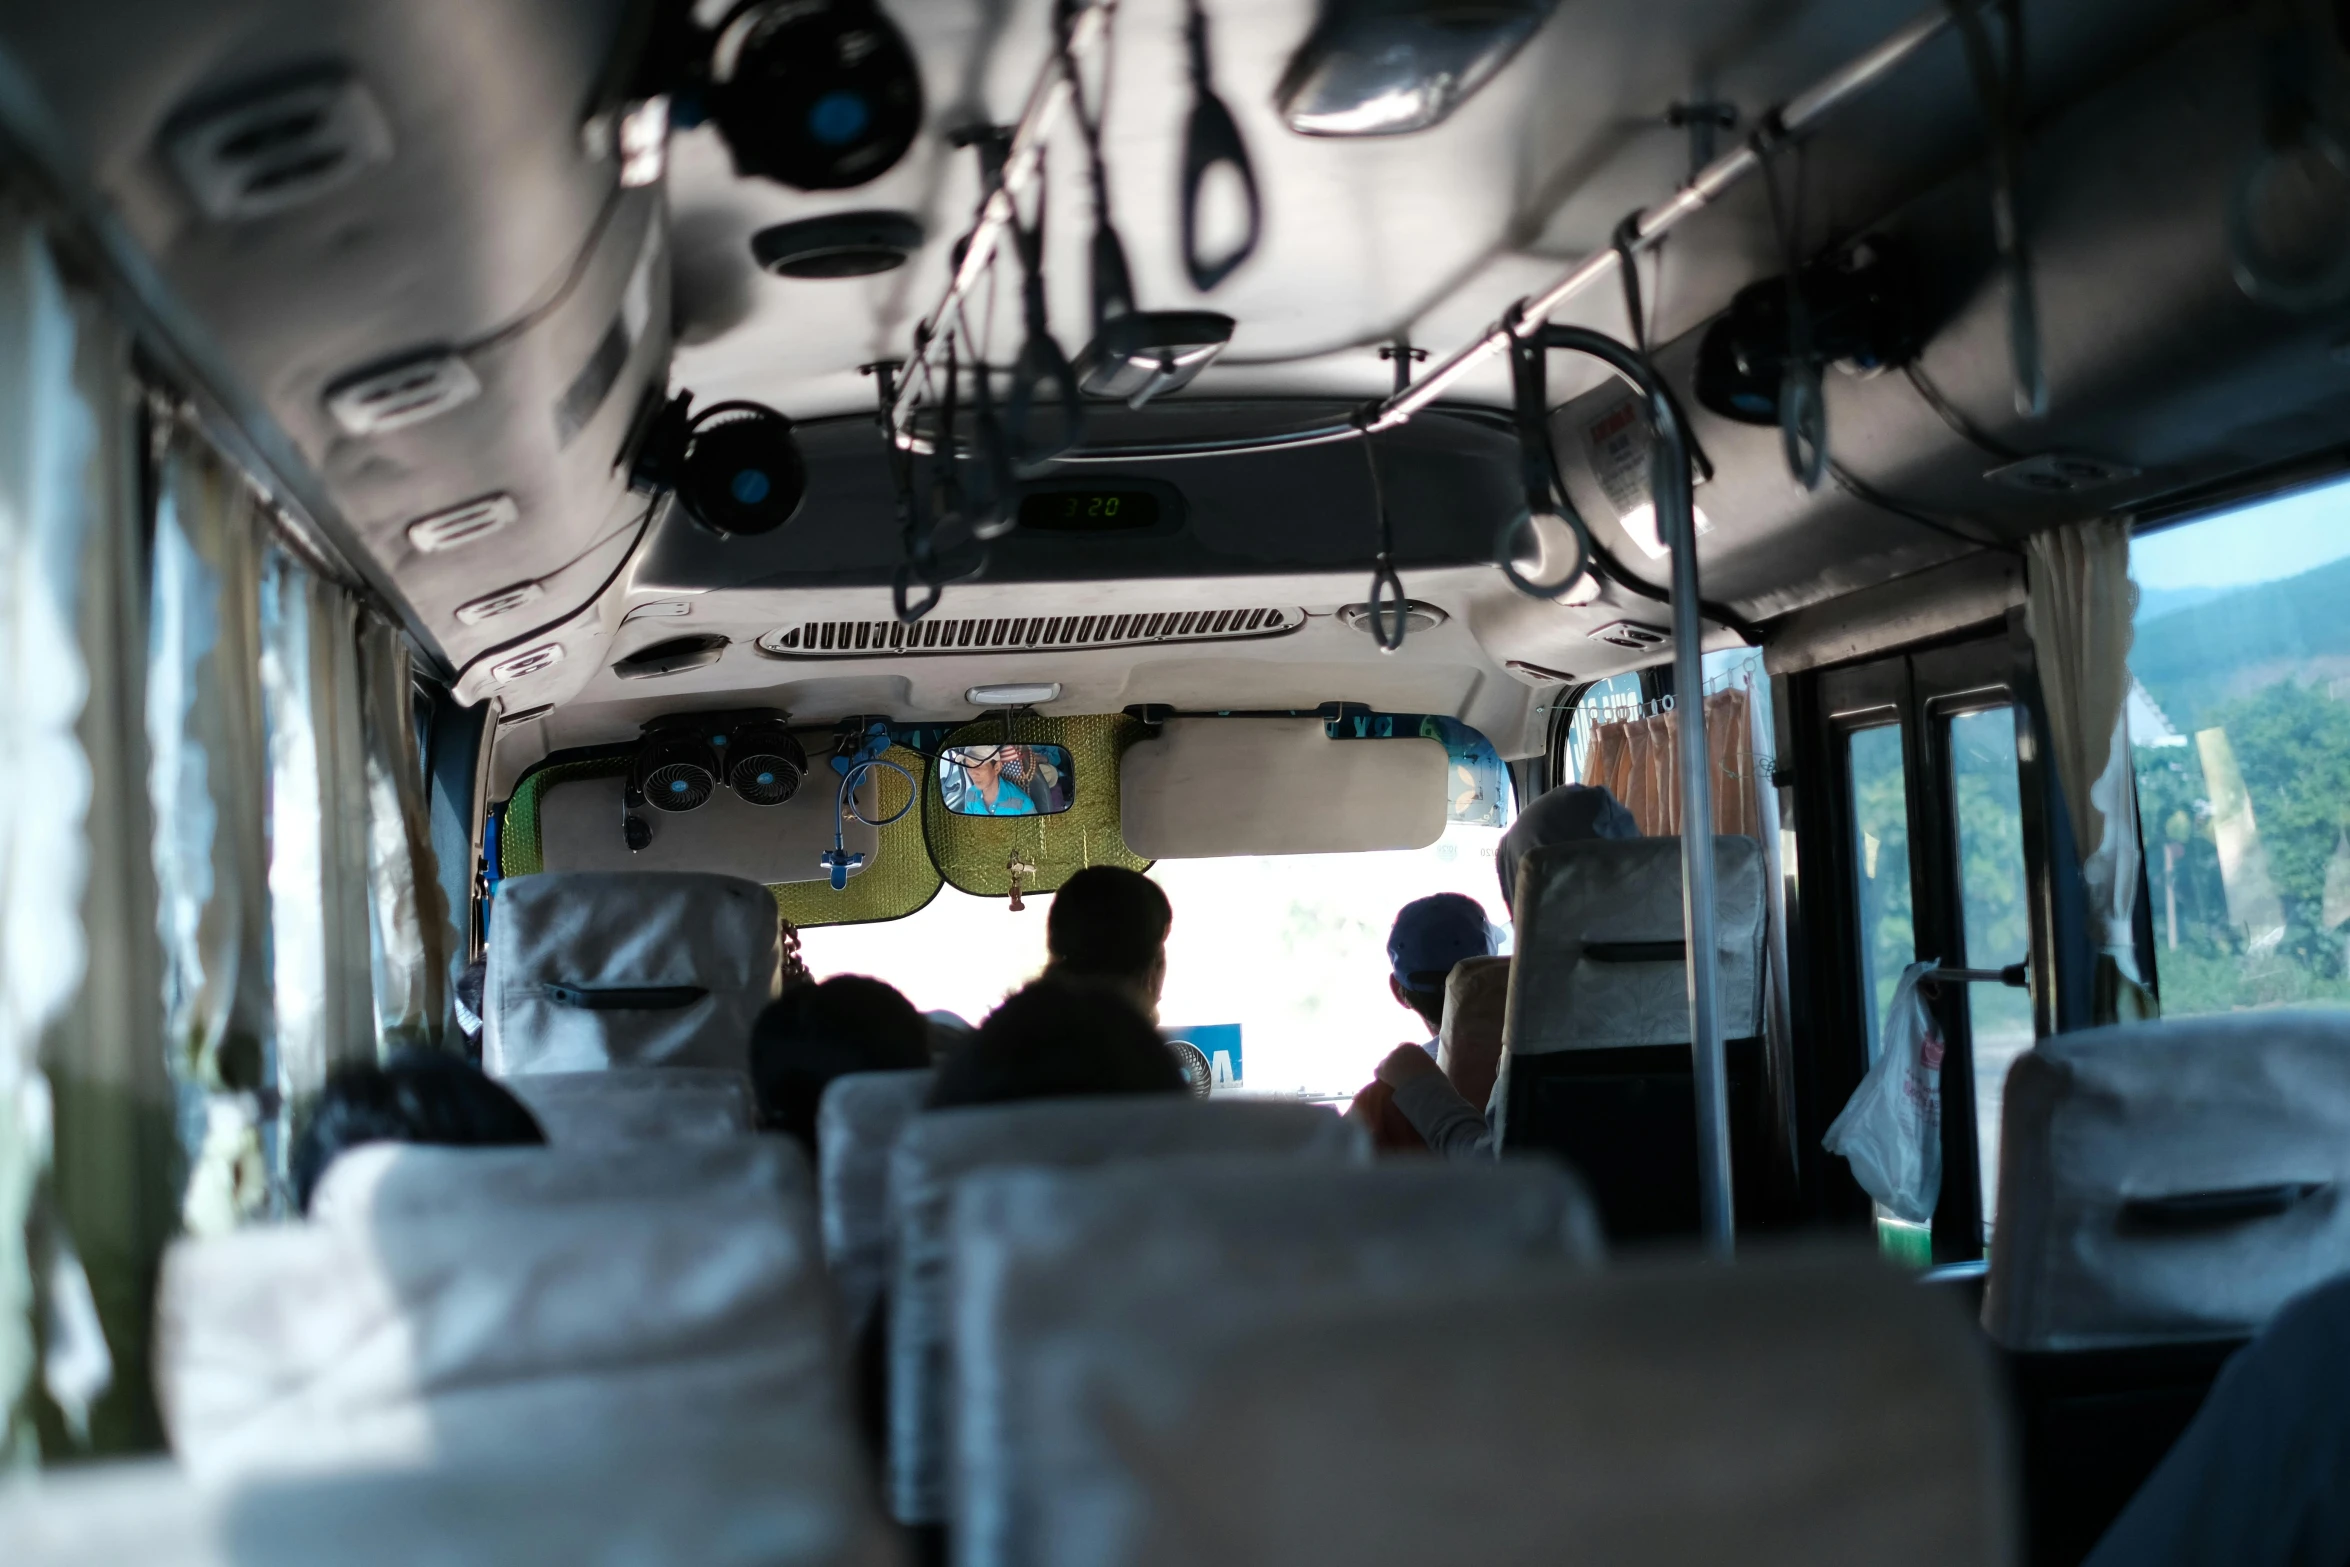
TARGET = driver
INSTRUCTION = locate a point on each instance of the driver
(989, 772)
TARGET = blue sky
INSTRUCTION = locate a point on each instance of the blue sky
(2257, 543)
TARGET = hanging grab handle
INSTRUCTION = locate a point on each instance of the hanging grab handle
(1212, 138)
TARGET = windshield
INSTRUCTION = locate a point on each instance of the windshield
(1290, 948)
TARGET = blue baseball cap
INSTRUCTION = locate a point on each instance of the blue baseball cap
(1431, 934)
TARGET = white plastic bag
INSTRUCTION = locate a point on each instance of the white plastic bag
(1891, 1128)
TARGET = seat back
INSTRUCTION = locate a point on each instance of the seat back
(1038, 1253)
(857, 1123)
(1598, 1025)
(629, 1104)
(2170, 1181)
(938, 1149)
(1794, 1409)
(448, 1305)
(1476, 1004)
(591, 969)
(749, 1501)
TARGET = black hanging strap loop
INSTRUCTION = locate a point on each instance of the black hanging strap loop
(1212, 138)
(1386, 585)
(1041, 364)
(1999, 86)
(1803, 407)
(1546, 494)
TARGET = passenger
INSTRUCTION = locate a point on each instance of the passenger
(1428, 937)
(1058, 1038)
(993, 777)
(812, 1034)
(2261, 1475)
(1571, 813)
(418, 1096)
(1448, 1123)
(1109, 927)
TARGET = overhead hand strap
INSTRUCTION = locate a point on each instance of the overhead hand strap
(1803, 408)
(1041, 364)
(1386, 586)
(1546, 494)
(1213, 138)
(913, 536)
(1627, 246)
(1113, 285)
(1999, 85)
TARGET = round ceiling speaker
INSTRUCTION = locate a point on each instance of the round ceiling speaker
(843, 244)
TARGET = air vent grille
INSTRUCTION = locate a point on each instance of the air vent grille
(1632, 634)
(278, 148)
(1024, 634)
(503, 602)
(446, 530)
(410, 392)
(546, 656)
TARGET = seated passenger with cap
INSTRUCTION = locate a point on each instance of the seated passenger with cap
(1449, 1124)
(1429, 936)
(1108, 926)
(812, 1034)
(417, 1096)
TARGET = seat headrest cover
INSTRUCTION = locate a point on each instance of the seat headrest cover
(1598, 944)
(1038, 1253)
(857, 1123)
(460, 1305)
(1476, 1001)
(939, 1148)
(589, 969)
(634, 1104)
(1789, 1410)
(2173, 1180)
(750, 1501)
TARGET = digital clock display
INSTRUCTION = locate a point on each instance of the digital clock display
(1089, 511)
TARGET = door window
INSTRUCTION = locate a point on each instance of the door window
(1880, 858)
(1995, 915)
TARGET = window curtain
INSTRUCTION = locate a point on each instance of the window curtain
(413, 936)
(2078, 607)
(85, 1147)
(323, 963)
(1637, 760)
(208, 785)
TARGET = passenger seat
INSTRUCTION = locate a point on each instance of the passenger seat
(2163, 1189)
(1598, 1031)
(595, 969)
(1793, 1410)
(857, 1124)
(632, 1104)
(941, 1147)
(446, 1306)
(1041, 1254)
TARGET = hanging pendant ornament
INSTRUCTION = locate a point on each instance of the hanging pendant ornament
(1021, 870)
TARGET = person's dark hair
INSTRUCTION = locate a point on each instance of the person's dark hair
(1107, 923)
(812, 1034)
(417, 1096)
(1055, 1039)
(1428, 1003)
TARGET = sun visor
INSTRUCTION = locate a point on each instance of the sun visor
(1212, 787)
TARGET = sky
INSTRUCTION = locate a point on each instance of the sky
(2295, 533)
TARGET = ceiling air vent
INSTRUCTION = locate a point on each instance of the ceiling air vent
(491, 605)
(1632, 634)
(545, 656)
(936, 637)
(376, 402)
(2061, 473)
(279, 147)
(459, 525)
(671, 657)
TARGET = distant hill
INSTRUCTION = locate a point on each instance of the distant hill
(2154, 603)
(2193, 658)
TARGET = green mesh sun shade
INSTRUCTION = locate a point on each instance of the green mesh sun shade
(899, 880)
(974, 852)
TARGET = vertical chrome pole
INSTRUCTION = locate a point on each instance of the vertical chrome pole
(1677, 523)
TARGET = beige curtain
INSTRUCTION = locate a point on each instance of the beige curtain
(412, 930)
(1638, 760)
(323, 963)
(2078, 611)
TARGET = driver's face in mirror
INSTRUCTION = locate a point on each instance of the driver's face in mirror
(1005, 780)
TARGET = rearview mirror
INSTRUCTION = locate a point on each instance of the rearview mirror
(1006, 780)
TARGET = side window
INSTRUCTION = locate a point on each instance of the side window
(2239, 719)
(1880, 860)
(1995, 914)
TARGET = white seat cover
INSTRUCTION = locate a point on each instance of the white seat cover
(633, 1104)
(452, 1305)
(738, 1503)
(590, 969)
(1040, 1252)
(1582, 912)
(941, 1147)
(2104, 1133)
(857, 1123)
(1797, 1410)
